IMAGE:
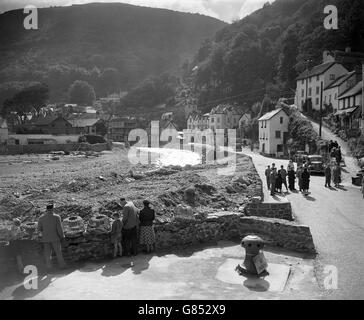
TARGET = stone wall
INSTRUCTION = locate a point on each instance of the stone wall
(270, 210)
(46, 148)
(182, 232)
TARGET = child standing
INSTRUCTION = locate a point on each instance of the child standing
(116, 235)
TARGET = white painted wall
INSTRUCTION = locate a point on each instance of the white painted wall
(267, 134)
(23, 138)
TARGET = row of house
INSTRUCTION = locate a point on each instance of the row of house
(338, 81)
(223, 116)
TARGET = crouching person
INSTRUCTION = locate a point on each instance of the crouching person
(116, 235)
(50, 226)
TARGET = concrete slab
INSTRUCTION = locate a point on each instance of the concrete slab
(206, 273)
(274, 282)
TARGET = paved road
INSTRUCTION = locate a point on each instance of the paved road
(336, 220)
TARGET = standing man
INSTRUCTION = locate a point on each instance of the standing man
(267, 176)
(327, 176)
(50, 226)
(273, 178)
(130, 223)
(283, 174)
(338, 156)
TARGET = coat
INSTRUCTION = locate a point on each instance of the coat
(305, 180)
(337, 175)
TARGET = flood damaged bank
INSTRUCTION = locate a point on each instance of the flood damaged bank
(194, 206)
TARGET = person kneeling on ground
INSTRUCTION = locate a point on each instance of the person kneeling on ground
(50, 226)
(146, 217)
(116, 235)
(130, 223)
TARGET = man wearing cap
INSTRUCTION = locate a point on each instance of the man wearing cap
(130, 223)
(50, 226)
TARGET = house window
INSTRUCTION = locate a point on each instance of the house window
(212, 120)
(280, 148)
(278, 134)
(335, 96)
(317, 90)
(318, 78)
(302, 93)
(310, 80)
(317, 101)
(281, 120)
(303, 81)
(262, 125)
(265, 124)
(309, 92)
(332, 77)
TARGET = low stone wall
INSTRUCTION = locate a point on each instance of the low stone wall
(182, 232)
(46, 148)
(270, 210)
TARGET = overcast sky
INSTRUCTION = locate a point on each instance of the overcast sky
(226, 10)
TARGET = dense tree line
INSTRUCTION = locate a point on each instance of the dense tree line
(269, 48)
(111, 46)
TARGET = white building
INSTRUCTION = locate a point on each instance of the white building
(309, 82)
(4, 132)
(352, 97)
(198, 121)
(225, 116)
(273, 132)
(338, 87)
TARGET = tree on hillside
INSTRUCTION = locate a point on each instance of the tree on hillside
(29, 100)
(82, 93)
(288, 57)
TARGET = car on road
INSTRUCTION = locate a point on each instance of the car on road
(316, 164)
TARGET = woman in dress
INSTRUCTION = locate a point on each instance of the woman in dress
(299, 177)
(336, 175)
(305, 181)
(146, 218)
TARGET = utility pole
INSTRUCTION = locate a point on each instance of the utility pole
(321, 93)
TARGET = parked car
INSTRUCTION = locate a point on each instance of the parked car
(316, 164)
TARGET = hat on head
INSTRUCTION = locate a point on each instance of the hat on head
(50, 206)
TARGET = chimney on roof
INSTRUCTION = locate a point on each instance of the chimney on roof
(327, 57)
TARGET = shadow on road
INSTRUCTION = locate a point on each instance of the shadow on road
(309, 198)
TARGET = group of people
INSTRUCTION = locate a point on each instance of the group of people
(332, 174)
(124, 233)
(276, 179)
(335, 151)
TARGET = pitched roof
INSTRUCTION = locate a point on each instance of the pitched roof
(339, 81)
(82, 123)
(345, 111)
(357, 89)
(47, 120)
(270, 115)
(317, 70)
